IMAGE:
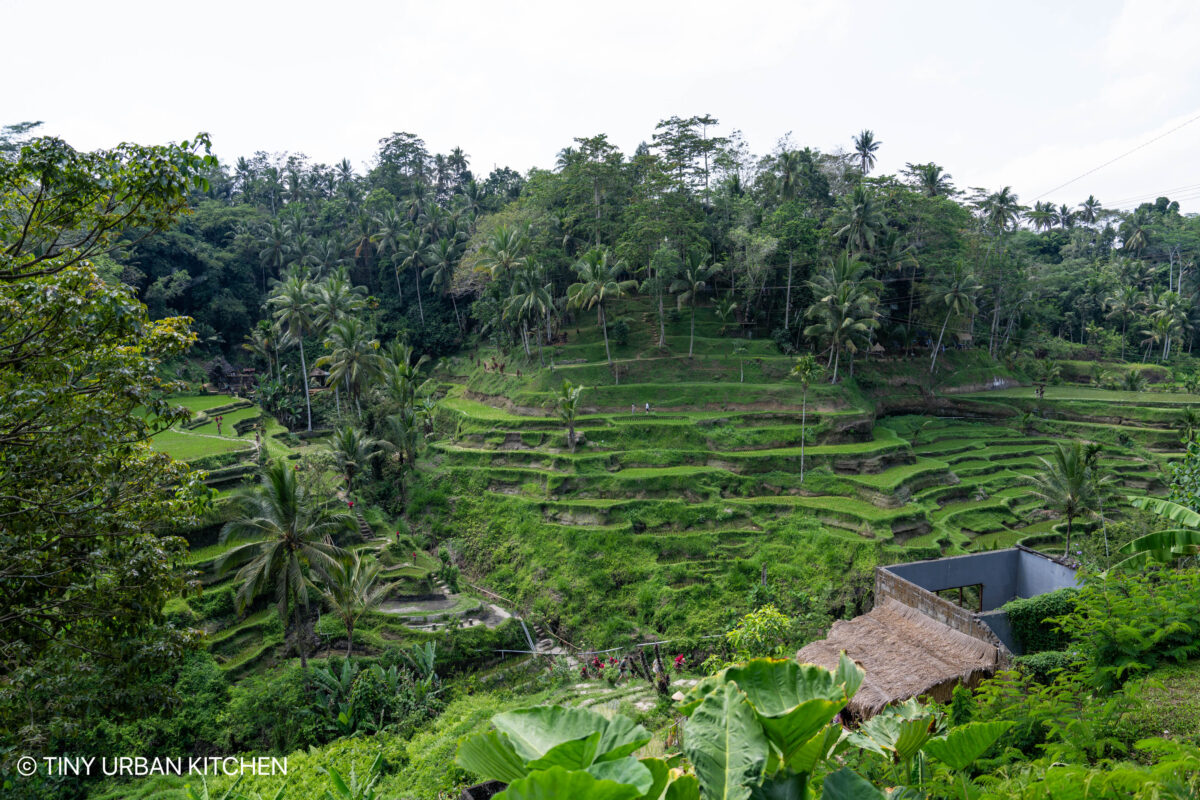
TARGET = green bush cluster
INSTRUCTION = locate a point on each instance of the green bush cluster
(1032, 620)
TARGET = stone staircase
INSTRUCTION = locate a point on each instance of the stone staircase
(364, 530)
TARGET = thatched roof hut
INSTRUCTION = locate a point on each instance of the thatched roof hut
(905, 654)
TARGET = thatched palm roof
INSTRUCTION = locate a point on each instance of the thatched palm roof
(905, 654)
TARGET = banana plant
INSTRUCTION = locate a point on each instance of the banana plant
(1165, 545)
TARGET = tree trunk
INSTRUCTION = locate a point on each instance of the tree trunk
(1067, 547)
(349, 638)
(525, 339)
(399, 291)
(837, 355)
(457, 318)
(787, 308)
(1124, 322)
(304, 383)
(337, 397)
(803, 428)
(420, 307)
(571, 436)
(604, 328)
(692, 340)
(662, 324)
(937, 347)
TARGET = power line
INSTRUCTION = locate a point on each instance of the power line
(1118, 158)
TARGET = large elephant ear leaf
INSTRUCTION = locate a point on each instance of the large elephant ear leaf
(793, 701)
(660, 772)
(490, 756)
(685, 787)
(693, 697)
(846, 784)
(573, 754)
(726, 745)
(849, 674)
(913, 735)
(625, 770)
(817, 749)
(620, 737)
(557, 783)
(534, 732)
(962, 745)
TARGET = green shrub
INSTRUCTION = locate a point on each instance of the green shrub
(1042, 665)
(1127, 623)
(1032, 620)
(264, 714)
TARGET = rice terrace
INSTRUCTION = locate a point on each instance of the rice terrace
(679, 462)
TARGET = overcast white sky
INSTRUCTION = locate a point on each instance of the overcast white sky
(1027, 94)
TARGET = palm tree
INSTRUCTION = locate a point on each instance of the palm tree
(411, 252)
(1090, 210)
(806, 370)
(292, 534)
(353, 359)
(292, 302)
(352, 449)
(930, 179)
(1065, 217)
(566, 403)
(692, 281)
(599, 282)
(1123, 304)
(859, 220)
(530, 298)
(273, 252)
(1041, 216)
(335, 298)
(441, 258)
(503, 251)
(263, 342)
(389, 233)
(843, 311)
(1066, 484)
(956, 293)
(1000, 211)
(865, 146)
(352, 589)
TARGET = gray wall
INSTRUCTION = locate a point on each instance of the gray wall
(998, 621)
(998, 572)
(1039, 575)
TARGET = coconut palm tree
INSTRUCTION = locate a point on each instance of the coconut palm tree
(1090, 210)
(411, 252)
(1066, 484)
(806, 370)
(353, 449)
(351, 589)
(291, 534)
(503, 252)
(566, 403)
(859, 220)
(1123, 304)
(336, 298)
(865, 145)
(442, 256)
(843, 311)
(273, 250)
(955, 291)
(691, 283)
(353, 359)
(292, 304)
(599, 282)
(530, 298)
(390, 230)
(930, 179)
(263, 343)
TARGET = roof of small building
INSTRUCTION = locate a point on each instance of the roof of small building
(904, 653)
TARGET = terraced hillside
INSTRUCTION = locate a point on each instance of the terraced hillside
(666, 520)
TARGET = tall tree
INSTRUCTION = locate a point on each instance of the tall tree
(692, 282)
(806, 370)
(955, 293)
(1065, 484)
(352, 588)
(292, 304)
(291, 533)
(865, 146)
(599, 282)
(566, 403)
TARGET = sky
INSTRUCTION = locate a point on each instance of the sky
(1023, 94)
